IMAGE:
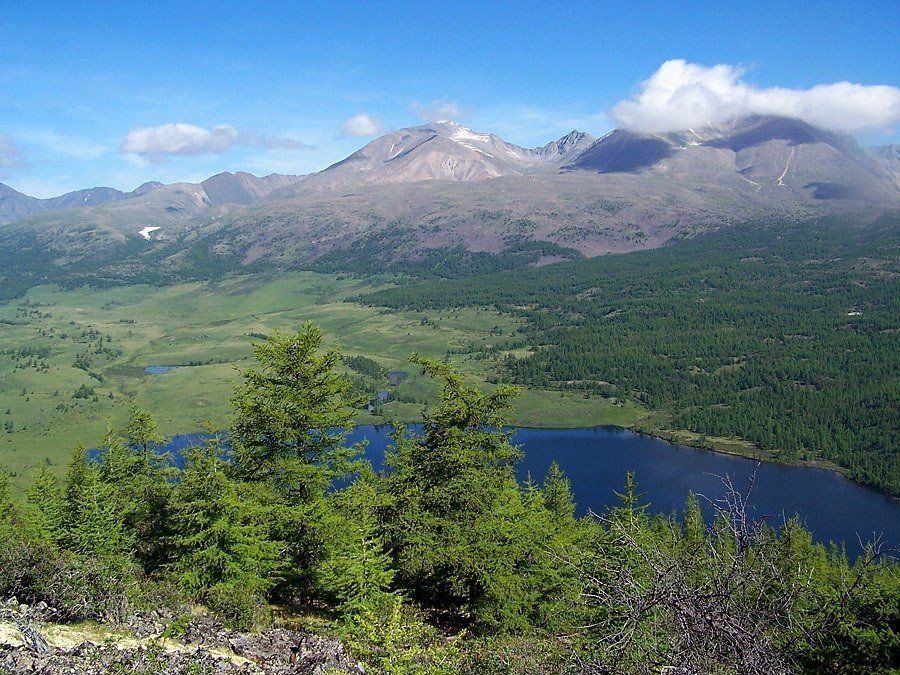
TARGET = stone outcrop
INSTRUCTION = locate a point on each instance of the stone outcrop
(30, 643)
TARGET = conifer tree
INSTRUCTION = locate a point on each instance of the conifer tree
(76, 475)
(219, 529)
(99, 528)
(465, 536)
(356, 570)
(141, 484)
(292, 415)
(45, 506)
(142, 431)
(9, 511)
(557, 492)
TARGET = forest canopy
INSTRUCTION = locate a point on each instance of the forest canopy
(443, 562)
(785, 335)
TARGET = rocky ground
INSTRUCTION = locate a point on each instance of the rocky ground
(31, 642)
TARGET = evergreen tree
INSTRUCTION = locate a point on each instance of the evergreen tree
(356, 570)
(142, 430)
(292, 415)
(99, 528)
(10, 517)
(557, 492)
(464, 535)
(46, 506)
(76, 475)
(141, 482)
(219, 529)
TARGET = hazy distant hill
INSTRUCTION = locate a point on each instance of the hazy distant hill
(443, 186)
(243, 188)
(223, 188)
(15, 206)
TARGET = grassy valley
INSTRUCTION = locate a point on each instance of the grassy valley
(72, 358)
(768, 341)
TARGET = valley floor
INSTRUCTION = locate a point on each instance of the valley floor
(71, 359)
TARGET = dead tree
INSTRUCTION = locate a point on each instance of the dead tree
(726, 601)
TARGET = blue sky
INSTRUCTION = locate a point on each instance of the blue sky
(90, 93)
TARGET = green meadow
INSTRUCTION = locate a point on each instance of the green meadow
(71, 360)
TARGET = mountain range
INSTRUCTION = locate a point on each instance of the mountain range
(442, 185)
(223, 188)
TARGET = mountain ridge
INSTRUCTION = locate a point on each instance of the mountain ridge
(438, 151)
(442, 186)
(222, 188)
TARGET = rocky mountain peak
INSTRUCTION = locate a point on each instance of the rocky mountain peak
(149, 186)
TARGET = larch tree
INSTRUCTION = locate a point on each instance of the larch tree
(292, 414)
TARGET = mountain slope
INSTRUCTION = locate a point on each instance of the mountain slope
(443, 186)
(14, 205)
(440, 151)
(889, 157)
(772, 155)
(418, 191)
(223, 188)
(243, 188)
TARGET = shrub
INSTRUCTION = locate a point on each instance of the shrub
(78, 587)
(394, 641)
(236, 607)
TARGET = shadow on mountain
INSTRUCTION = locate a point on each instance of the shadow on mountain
(832, 191)
(623, 152)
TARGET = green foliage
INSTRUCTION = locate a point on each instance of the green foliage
(219, 531)
(377, 254)
(142, 431)
(238, 606)
(76, 475)
(291, 418)
(394, 642)
(781, 334)
(519, 655)
(366, 367)
(466, 538)
(356, 570)
(442, 563)
(78, 587)
(141, 483)
(99, 526)
(45, 506)
(557, 494)
(738, 596)
(10, 517)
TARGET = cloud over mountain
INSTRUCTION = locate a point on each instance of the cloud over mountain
(680, 95)
(157, 143)
(11, 157)
(437, 110)
(361, 125)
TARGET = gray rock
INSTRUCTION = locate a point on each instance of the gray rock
(271, 652)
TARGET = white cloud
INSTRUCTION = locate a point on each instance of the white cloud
(157, 143)
(72, 146)
(439, 109)
(361, 125)
(681, 95)
(274, 142)
(11, 157)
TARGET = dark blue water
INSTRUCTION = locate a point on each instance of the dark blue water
(596, 460)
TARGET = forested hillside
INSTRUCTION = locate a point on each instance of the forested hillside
(443, 563)
(785, 334)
